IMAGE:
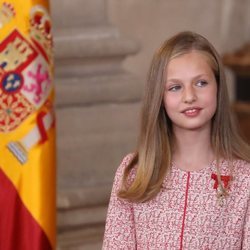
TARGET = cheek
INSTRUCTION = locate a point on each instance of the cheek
(211, 100)
(170, 103)
(214, 105)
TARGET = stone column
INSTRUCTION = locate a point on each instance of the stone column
(97, 111)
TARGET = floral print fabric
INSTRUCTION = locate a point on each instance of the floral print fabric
(186, 213)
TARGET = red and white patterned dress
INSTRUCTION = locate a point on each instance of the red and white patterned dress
(184, 215)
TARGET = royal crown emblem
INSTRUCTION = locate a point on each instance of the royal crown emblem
(7, 12)
(40, 30)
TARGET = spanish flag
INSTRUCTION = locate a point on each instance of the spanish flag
(27, 127)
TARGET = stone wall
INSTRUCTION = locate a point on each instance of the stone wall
(99, 79)
(226, 23)
(97, 104)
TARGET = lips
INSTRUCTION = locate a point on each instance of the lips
(191, 112)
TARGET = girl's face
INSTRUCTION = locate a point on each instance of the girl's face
(190, 97)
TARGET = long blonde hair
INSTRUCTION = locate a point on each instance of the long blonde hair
(153, 155)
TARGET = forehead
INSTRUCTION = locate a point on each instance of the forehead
(190, 62)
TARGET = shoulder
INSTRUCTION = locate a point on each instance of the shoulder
(120, 170)
(242, 167)
(242, 174)
(124, 163)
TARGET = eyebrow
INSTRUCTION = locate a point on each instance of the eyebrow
(179, 80)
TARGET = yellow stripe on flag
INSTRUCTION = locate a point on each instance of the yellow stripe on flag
(27, 126)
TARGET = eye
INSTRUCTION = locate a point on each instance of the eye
(201, 83)
(174, 88)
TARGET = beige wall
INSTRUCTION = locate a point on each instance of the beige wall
(226, 23)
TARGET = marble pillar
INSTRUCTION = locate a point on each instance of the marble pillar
(97, 105)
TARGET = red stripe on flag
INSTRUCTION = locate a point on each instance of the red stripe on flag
(18, 229)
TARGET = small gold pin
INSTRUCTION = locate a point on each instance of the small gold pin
(220, 196)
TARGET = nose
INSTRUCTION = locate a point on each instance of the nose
(189, 95)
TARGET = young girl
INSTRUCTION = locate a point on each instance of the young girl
(187, 186)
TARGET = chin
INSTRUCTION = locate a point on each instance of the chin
(194, 126)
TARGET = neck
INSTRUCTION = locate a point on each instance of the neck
(192, 148)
